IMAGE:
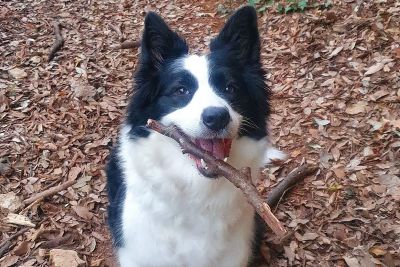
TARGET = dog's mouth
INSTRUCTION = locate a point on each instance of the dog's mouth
(217, 147)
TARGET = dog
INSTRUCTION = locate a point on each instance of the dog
(165, 207)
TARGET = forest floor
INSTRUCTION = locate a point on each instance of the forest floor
(335, 75)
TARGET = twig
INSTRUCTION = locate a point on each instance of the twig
(280, 199)
(58, 43)
(97, 67)
(117, 30)
(4, 246)
(289, 181)
(126, 45)
(27, 208)
(241, 179)
(49, 192)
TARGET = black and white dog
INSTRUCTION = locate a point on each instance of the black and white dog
(165, 209)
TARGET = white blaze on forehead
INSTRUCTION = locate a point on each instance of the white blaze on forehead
(204, 95)
(198, 66)
(188, 118)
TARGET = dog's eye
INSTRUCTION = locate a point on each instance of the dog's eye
(230, 88)
(181, 91)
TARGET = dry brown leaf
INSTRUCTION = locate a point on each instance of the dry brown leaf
(9, 260)
(339, 172)
(22, 248)
(336, 51)
(357, 108)
(307, 236)
(395, 123)
(10, 201)
(65, 258)
(73, 173)
(19, 219)
(83, 212)
(351, 261)
(82, 90)
(17, 73)
(377, 251)
(392, 183)
(374, 68)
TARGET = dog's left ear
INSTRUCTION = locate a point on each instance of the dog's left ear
(240, 36)
(159, 42)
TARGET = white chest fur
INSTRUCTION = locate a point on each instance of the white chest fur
(173, 216)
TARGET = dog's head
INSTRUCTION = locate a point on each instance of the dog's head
(213, 98)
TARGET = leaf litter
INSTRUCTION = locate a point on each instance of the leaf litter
(335, 76)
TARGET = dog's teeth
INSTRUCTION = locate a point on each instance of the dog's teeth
(226, 159)
(203, 164)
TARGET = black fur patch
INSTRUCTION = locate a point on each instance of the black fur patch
(116, 195)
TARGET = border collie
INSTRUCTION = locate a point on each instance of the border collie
(165, 209)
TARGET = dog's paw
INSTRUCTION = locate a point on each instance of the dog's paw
(274, 156)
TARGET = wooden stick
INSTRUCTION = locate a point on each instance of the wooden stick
(49, 192)
(126, 45)
(97, 67)
(58, 43)
(291, 179)
(241, 179)
(4, 246)
(117, 29)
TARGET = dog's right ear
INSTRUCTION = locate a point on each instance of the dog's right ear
(159, 42)
(240, 36)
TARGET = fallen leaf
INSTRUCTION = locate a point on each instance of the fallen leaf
(357, 108)
(336, 51)
(351, 261)
(376, 125)
(392, 183)
(82, 90)
(374, 68)
(376, 251)
(339, 172)
(19, 219)
(9, 260)
(73, 173)
(321, 122)
(307, 236)
(395, 123)
(367, 151)
(10, 201)
(83, 212)
(379, 94)
(65, 258)
(17, 73)
(335, 153)
(290, 254)
(22, 248)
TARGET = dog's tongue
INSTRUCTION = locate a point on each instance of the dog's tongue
(219, 148)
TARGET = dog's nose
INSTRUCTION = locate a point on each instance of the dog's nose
(215, 118)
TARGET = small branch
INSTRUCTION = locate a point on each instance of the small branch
(97, 67)
(241, 179)
(58, 43)
(117, 31)
(5, 245)
(126, 45)
(49, 192)
(290, 180)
